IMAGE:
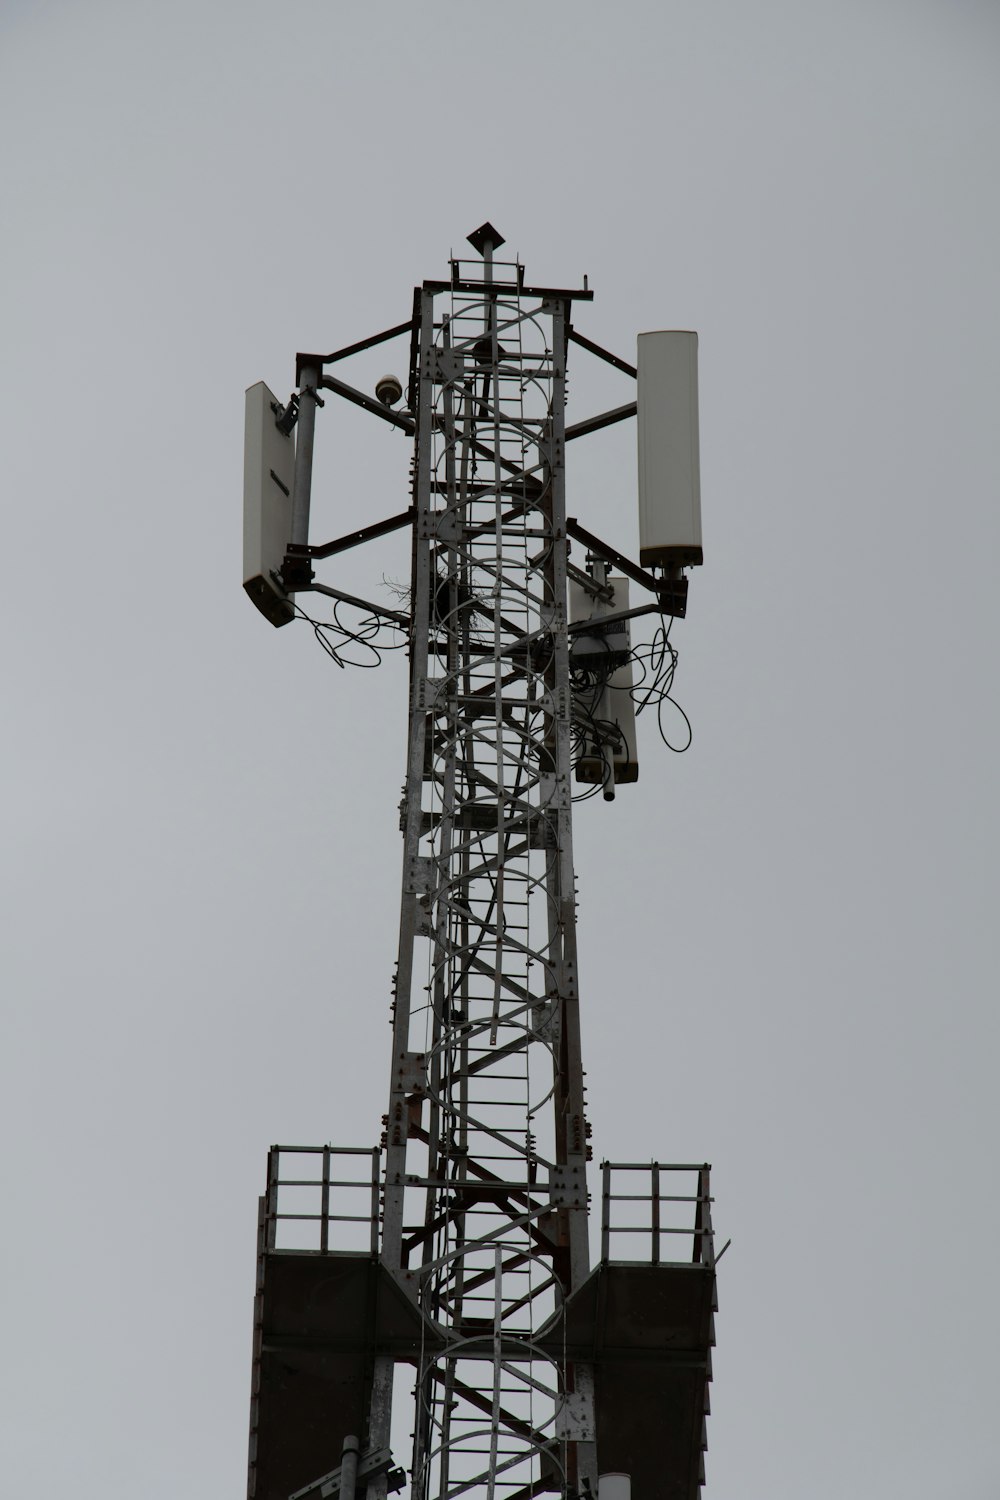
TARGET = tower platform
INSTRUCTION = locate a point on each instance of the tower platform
(646, 1327)
(647, 1331)
(320, 1319)
(320, 1316)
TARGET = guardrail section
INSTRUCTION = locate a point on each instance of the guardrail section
(310, 1188)
(668, 1220)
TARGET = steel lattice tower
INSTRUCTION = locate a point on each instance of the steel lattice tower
(478, 1274)
(486, 992)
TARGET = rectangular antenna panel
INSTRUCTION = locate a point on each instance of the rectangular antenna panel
(615, 703)
(268, 476)
(669, 465)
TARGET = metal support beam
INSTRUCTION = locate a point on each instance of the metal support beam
(369, 343)
(367, 403)
(364, 534)
(592, 348)
(373, 609)
(603, 419)
(613, 556)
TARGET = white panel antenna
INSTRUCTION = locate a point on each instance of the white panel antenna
(268, 477)
(669, 465)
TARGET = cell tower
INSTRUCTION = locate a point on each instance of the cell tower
(527, 1370)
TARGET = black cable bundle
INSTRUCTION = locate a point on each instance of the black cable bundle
(372, 635)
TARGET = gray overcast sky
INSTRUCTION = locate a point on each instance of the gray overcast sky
(788, 935)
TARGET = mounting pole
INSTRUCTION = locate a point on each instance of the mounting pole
(309, 378)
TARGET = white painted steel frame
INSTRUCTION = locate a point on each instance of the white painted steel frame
(485, 1218)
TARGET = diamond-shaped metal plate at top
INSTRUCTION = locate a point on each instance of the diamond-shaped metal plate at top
(486, 234)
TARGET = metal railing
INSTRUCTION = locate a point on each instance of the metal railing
(683, 1214)
(298, 1205)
